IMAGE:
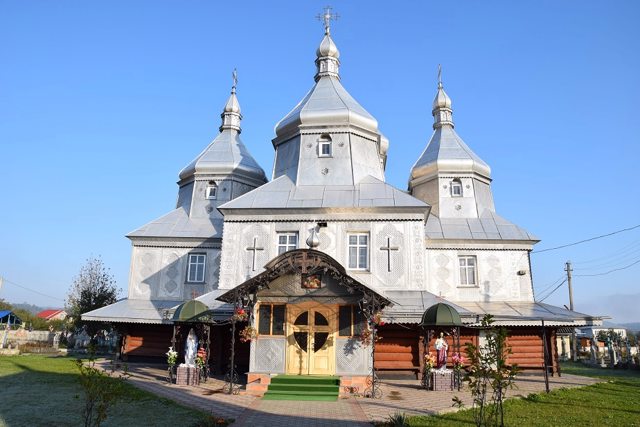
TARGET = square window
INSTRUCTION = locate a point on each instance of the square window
(287, 242)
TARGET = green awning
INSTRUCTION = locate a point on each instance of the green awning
(188, 310)
(441, 314)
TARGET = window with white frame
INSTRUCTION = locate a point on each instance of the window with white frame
(456, 188)
(359, 251)
(324, 146)
(287, 241)
(211, 191)
(196, 267)
(468, 270)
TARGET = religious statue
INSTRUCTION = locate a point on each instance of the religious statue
(441, 348)
(191, 349)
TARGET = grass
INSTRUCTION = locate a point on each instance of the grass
(614, 402)
(37, 390)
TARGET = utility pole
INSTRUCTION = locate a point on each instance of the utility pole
(574, 344)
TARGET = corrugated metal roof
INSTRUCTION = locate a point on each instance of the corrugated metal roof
(134, 311)
(283, 193)
(511, 313)
(154, 311)
(490, 226)
(409, 306)
(178, 224)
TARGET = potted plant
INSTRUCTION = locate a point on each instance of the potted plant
(458, 361)
(172, 358)
(248, 333)
(428, 365)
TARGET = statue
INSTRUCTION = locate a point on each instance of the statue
(191, 349)
(441, 348)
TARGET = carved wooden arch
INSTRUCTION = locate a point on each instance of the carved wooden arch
(303, 262)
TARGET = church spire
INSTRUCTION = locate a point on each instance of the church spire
(231, 116)
(442, 112)
(327, 62)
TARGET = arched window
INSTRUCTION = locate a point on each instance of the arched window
(456, 188)
(324, 146)
(212, 191)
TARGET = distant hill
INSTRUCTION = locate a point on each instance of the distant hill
(634, 326)
(33, 309)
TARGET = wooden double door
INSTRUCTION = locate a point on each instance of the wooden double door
(311, 329)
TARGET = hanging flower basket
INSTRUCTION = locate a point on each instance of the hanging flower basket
(240, 314)
(248, 333)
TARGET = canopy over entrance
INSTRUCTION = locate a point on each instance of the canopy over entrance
(439, 315)
(306, 263)
(189, 310)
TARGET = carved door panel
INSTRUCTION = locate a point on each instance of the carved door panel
(311, 330)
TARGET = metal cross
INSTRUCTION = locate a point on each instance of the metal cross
(255, 250)
(326, 17)
(389, 248)
(439, 76)
(234, 75)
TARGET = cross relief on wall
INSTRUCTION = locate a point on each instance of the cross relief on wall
(255, 250)
(389, 248)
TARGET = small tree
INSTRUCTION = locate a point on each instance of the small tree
(101, 389)
(94, 287)
(489, 377)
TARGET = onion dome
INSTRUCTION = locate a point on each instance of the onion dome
(227, 154)
(446, 152)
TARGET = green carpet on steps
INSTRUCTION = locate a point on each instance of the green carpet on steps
(303, 387)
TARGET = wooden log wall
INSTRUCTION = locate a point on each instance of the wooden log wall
(397, 348)
(401, 347)
(147, 340)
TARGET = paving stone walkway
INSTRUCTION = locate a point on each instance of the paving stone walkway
(398, 396)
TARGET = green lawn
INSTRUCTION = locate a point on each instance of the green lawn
(44, 391)
(615, 402)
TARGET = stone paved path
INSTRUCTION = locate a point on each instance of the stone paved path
(398, 396)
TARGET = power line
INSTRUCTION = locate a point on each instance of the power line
(627, 249)
(607, 272)
(587, 240)
(547, 287)
(554, 289)
(32, 290)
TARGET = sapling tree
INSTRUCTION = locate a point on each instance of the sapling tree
(489, 376)
(101, 389)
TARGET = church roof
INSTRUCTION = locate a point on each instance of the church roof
(327, 103)
(226, 154)
(177, 223)
(447, 152)
(489, 226)
(133, 311)
(155, 311)
(282, 193)
(512, 313)
(409, 306)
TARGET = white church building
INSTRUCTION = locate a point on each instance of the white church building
(325, 247)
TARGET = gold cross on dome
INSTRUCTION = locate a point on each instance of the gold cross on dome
(326, 17)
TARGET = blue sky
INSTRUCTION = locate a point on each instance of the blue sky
(102, 104)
